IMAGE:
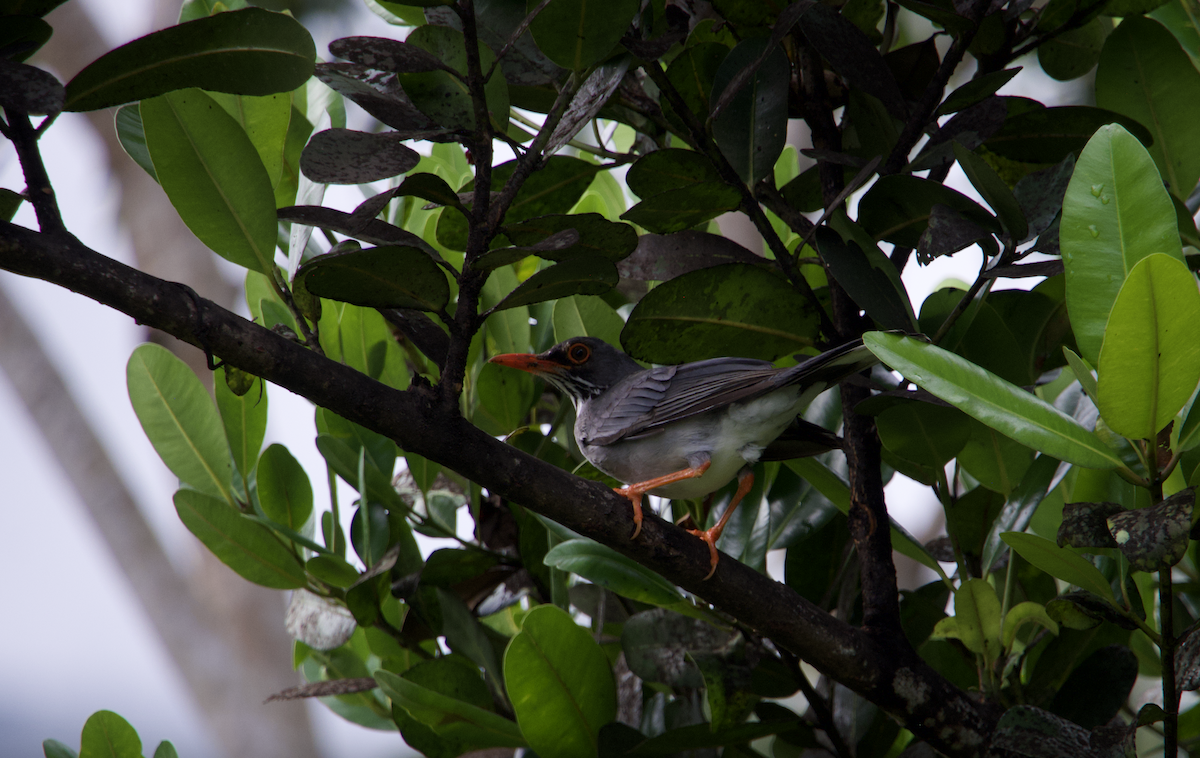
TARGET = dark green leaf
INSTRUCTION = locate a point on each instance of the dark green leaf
(344, 156)
(1085, 525)
(24, 33)
(679, 209)
(923, 433)
(673, 168)
(735, 309)
(379, 277)
(56, 749)
(1098, 687)
(976, 90)
(597, 235)
(692, 72)
(28, 89)
(897, 208)
(1046, 135)
(868, 277)
(606, 567)
(752, 130)
(1059, 562)
(578, 35)
(449, 716)
(852, 55)
(657, 641)
(660, 257)
(1072, 54)
(580, 275)
(993, 190)
(244, 52)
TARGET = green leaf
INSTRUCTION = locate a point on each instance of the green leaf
(923, 433)
(211, 172)
(392, 276)
(977, 616)
(265, 120)
(107, 735)
(692, 72)
(450, 716)
(505, 397)
(733, 309)
(1155, 538)
(1082, 371)
(1097, 689)
(455, 677)
(976, 90)
(445, 98)
(133, 138)
(332, 570)
(180, 420)
(669, 169)
(1144, 74)
(1059, 562)
(243, 52)
(244, 545)
(598, 236)
(165, 750)
(606, 567)
(244, 418)
(752, 130)
(577, 34)
(579, 275)
(1075, 52)
(560, 684)
(283, 488)
(1023, 613)
(991, 400)
(466, 636)
(56, 749)
(998, 462)
(586, 316)
(1150, 359)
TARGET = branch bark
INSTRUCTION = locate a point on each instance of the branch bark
(893, 677)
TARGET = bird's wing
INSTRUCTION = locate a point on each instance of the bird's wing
(644, 402)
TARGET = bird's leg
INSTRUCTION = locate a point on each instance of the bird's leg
(710, 536)
(635, 491)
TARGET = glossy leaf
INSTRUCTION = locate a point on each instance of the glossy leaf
(923, 433)
(244, 545)
(1150, 360)
(604, 566)
(180, 420)
(735, 309)
(1115, 213)
(977, 611)
(752, 130)
(991, 400)
(245, 52)
(692, 72)
(1145, 75)
(391, 276)
(659, 257)
(1059, 562)
(107, 735)
(997, 461)
(669, 169)
(597, 235)
(560, 684)
(212, 173)
(577, 35)
(283, 488)
(580, 275)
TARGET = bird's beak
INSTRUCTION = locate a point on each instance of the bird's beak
(527, 362)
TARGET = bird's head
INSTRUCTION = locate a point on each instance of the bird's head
(581, 367)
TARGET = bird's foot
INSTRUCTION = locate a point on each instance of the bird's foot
(635, 499)
(710, 537)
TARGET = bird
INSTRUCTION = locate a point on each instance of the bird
(684, 431)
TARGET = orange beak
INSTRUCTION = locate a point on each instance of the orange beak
(526, 362)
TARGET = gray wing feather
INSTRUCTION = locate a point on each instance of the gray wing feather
(643, 403)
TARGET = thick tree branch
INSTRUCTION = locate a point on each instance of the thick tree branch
(895, 678)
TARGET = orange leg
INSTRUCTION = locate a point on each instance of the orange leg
(635, 491)
(710, 536)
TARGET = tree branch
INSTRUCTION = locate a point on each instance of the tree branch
(894, 678)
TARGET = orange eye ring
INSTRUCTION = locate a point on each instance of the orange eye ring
(579, 353)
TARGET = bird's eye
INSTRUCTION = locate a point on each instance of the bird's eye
(579, 353)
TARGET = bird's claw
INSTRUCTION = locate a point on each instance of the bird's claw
(710, 539)
(635, 499)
